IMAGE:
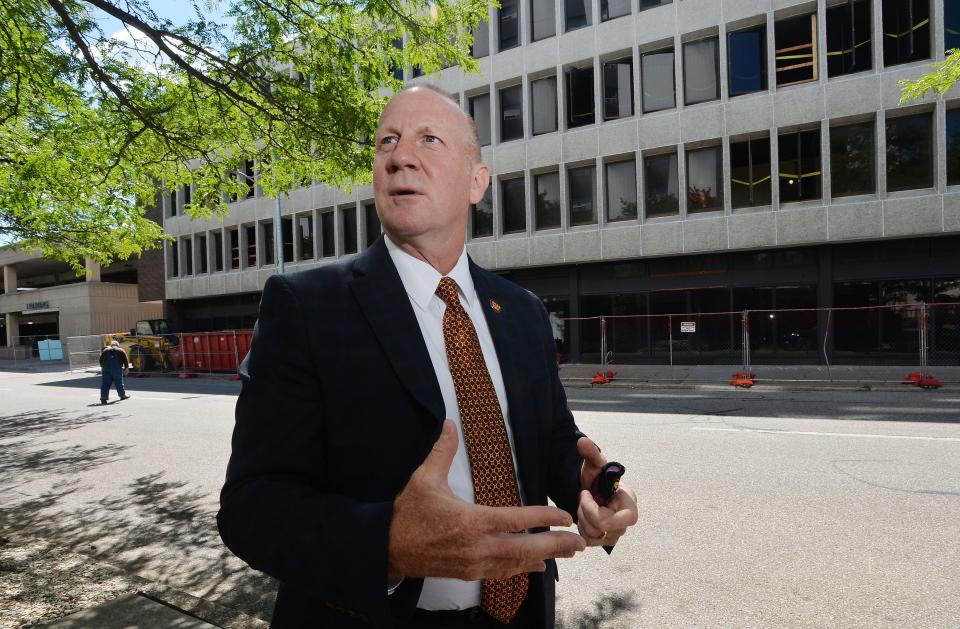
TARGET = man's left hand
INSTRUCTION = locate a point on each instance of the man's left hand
(602, 526)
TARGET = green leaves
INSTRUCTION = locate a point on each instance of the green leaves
(939, 80)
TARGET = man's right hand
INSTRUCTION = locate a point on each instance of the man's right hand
(436, 534)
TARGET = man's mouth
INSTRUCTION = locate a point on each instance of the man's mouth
(403, 192)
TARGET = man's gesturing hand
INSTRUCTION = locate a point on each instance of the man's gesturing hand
(602, 526)
(436, 534)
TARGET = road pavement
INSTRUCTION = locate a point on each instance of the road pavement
(778, 508)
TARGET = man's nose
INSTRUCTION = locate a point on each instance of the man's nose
(403, 155)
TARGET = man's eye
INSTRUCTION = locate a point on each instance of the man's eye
(389, 139)
(431, 139)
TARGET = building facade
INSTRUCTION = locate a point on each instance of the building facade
(652, 157)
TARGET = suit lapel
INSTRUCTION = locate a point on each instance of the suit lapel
(507, 339)
(384, 302)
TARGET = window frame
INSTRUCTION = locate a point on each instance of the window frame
(537, 210)
(627, 60)
(606, 189)
(643, 77)
(715, 40)
(791, 51)
(717, 150)
(872, 152)
(751, 165)
(762, 30)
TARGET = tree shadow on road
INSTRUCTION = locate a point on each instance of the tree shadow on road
(46, 421)
(605, 611)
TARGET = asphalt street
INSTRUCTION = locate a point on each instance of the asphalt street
(758, 508)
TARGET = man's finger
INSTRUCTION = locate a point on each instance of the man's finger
(538, 546)
(590, 452)
(514, 519)
(437, 464)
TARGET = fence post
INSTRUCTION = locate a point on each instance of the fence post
(745, 325)
(670, 336)
(603, 344)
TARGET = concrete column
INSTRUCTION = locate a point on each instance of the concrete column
(10, 279)
(13, 327)
(92, 270)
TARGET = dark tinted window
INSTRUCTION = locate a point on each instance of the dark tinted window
(305, 236)
(480, 112)
(662, 189)
(704, 190)
(610, 9)
(218, 251)
(747, 68)
(621, 182)
(547, 200)
(251, 237)
(173, 253)
(514, 205)
(511, 113)
(849, 46)
(328, 235)
(647, 4)
(799, 166)
(582, 183)
(577, 13)
(202, 253)
(953, 146)
(266, 249)
(543, 96)
(286, 233)
(795, 39)
(750, 172)
(618, 88)
(852, 160)
(349, 222)
(509, 24)
(951, 24)
(483, 215)
(906, 30)
(234, 249)
(909, 152)
(580, 97)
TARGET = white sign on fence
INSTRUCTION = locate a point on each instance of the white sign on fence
(688, 326)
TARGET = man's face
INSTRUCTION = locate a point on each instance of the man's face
(424, 178)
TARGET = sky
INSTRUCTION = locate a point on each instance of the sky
(178, 11)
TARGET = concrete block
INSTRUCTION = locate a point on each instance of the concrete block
(546, 249)
(734, 10)
(705, 234)
(890, 78)
(694, 15)
(747, 114)
(855, 221)
(801, 225)
(620, 241)
(658, 130)
(618, 137)
(581, 246)
(661, 238)
(483, 253)
(509, 64)
(576, 45)
(653, 24)
(171, 289)
(541, 55)
(912, 215)
(850, 96)
(580, 144)
(702, 122)
(798, 104)
(513, 252)
(542, 150)
(232, 282)
(510, 157)
(217, 284)
(133, 610)
(951, 212)
(248, 281)
(752, 230)
(612, 35)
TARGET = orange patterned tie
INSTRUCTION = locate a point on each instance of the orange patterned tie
(485, 436)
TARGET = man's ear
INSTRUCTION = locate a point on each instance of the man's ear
(479, 181)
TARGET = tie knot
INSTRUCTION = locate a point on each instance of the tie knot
(447, 291)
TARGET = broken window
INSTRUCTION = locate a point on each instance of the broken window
(543, 19)
(704, 191)
(701, 72)
(508, 28)
(906, 30)
(910, 152)
(582, 186)
(799, 167)
(348, 219)
(305, 236)
(750, 173)
(951, 25)
(747, 51)
(577, 13)
(547, 201)
(661, 185)
(511, 113)
(512, 192)
(849, 44)
(657, 80)
(480, 112)
(852, 160)
(953, 147)
(328, 235)
(610, 9)
(266, 249)
(618, 88)
(543, 102)
(372, 221)
(796, 54)
(483, 215)
(580, 97)
(621, 181)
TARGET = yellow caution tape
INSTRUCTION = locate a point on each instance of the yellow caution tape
(792, 176)
(785, 57)
(750, 183)
(848, 50)
(908, 31)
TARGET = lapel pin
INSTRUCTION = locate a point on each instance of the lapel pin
(495, 306)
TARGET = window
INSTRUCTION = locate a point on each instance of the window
(348, 219)
(373, 222)
(547, 203)
(953, 147)
(906, 30)
(543, 19)
(656, 76)
(202, 253)
(187, 194)
(704, 191)
(648, 4)
(218, 251)
(234, 249)
(416, 71)
(750, 173)
(480, 112)
(249, 178)
(328, 235)
(481, 40)
(951, 25)
(483, 215)
(910, 152)
(305, 236)
(266, 245)
(701, 73)
(577, 13)
(580, 97)
(610, 9)
(799, 166)
(173, 254)
(514, 205)
(618, 88)
(511, 113)
(396, 71)
(747, 61)
(186, 250)
(796, 40)
(582, 186)
(286, 235)
(251, 235)
(508, 24)
(662, 188)
(543, 96)
(173, 202)
(621, 181)
(852, 160)
(849, 46)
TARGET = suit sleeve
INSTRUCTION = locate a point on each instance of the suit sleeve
(275, 510)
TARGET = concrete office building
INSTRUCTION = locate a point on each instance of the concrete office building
(650, 157)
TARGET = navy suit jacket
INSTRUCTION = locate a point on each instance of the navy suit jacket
(339, 406)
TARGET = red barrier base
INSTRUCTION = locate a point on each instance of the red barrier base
(743, 379)
(929, 382)
(912, 378)
(138, 374)
(235, 377)
(599, 379)
(184, 376)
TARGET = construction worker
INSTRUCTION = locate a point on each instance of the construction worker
(114, 365)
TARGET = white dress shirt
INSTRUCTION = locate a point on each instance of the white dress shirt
(420, 280)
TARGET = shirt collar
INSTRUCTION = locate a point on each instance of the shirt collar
(420, 280)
